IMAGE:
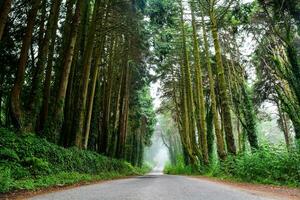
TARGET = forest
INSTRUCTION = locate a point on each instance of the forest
(76, 80)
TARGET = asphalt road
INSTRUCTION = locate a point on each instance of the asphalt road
(153, 187)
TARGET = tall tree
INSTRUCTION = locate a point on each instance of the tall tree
(225, 102)
(15, 107)
(199, 89)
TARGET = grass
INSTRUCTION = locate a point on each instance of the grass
(269, 165)
(29, 163)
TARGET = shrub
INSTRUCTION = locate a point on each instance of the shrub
(179, 168)
(26, 160)
(5, 179)
(268, 165)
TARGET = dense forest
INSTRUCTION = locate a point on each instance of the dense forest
(78, 73)
(74, 72)
(212, 87)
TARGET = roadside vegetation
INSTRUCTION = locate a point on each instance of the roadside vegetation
(75, 98)
(75, 89)
(29, 163)
(270, 165)
(229, 74)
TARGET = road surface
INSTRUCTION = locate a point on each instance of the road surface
(153, 187)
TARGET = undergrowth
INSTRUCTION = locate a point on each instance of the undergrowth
(268, 165)
(28, 162)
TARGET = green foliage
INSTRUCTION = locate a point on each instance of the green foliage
(8, 154)
(28, 162)
(269, 165)
(5, 179)
(179, 168)
(63, 178)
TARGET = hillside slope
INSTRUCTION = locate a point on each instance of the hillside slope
(29, 162)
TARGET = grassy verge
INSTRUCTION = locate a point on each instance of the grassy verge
(28, 163)
(269, 165)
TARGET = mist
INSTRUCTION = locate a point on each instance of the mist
(157, 155)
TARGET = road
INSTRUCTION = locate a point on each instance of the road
(154, 187)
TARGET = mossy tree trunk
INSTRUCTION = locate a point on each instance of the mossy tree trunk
(218, 132)
(225, 103)
(201, 115)
(188, 92)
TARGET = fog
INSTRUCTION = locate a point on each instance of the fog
(157, 154)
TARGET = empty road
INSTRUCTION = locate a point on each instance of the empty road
(153, 187)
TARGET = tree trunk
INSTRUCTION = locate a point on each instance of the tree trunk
(107, 100)
(115, 119)
(47, 83)
(188, 89)
(91, 103)
(4, 11)
(42, 57)
(87, 59)
(285, 130)
(67, 62)
(249, 116)
(15, 104)
(225, 107)
(218, 132)
(123, 105)
(199, 90)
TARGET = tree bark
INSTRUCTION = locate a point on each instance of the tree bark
(225, 107)
(285, 130)
(4, 11)
(123, 105)
(15, 104)
(107, 100)
(190, 111)
(42, 57)
(47, 83)
(199, 90)
(90, 104)
(218, 132)
(81, 106)
(57, 117)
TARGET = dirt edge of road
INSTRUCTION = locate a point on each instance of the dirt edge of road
(276, 192)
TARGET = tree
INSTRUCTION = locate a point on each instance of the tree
(15, 107)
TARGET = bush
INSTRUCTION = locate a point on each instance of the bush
(5, 179)
(179, 168)
(268, 165)
(26, 161)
